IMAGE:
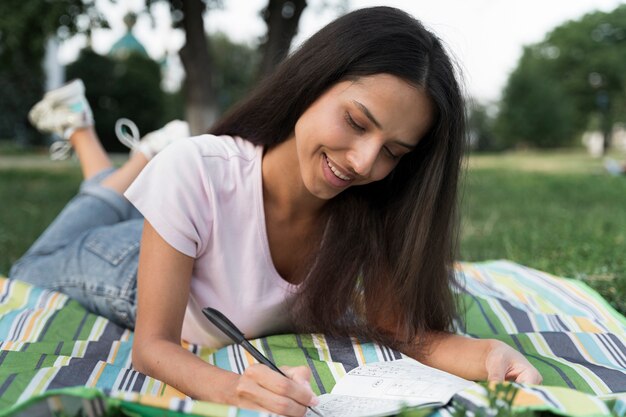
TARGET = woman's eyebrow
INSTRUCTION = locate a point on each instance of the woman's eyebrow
(367, 113)
(370, 116)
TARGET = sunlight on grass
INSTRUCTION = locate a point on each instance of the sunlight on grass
(554, 162)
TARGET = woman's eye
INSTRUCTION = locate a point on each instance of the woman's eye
(391, 154)
(353, 124)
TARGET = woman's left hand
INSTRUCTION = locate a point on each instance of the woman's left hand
(503, 363)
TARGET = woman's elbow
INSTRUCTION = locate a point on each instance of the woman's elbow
(139, 360)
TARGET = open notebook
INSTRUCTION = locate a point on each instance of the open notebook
(384, 388)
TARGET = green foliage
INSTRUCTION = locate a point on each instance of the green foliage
(235, 69)
(534, 110)
(481, 128)
(116, 88)
(24, 27)
(577, 74)
(131, 87)
(173, 106)
(500, 398)
(589, 59)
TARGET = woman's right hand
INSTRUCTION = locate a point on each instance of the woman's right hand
(261, 388)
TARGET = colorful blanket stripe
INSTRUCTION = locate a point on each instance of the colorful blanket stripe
(56, 356)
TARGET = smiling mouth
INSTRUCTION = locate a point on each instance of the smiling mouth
(336, 170)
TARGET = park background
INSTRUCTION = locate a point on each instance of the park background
(543, 114)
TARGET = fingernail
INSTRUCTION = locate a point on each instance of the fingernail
(314, 401)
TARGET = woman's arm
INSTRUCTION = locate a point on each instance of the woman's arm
(163, 286)
(476, 359)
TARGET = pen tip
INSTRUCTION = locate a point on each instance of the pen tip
(316, 411)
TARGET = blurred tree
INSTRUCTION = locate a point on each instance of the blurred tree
(235, 73)
(30, 22)
(173, 106)
(589, 60)
(580, 70)
(25, 25)
(200, 92)
(480, 128)
(281, 18)
(200, 103)
(535, 110)
(201, 109)
(124, 87)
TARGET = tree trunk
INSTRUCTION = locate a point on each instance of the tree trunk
(200, 106)
(606, 135)
(606, 121)
(282, 18)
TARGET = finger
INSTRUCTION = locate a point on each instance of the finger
(299, 374)
(529, 376)
(253, 396)
(298, 390)
(283, 386)
(496, 371)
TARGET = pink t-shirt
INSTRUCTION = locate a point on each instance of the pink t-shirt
(204, 196)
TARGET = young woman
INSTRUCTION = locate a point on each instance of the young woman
(327, 203)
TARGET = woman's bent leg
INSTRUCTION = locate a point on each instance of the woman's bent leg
(98, 269)
(90, 252)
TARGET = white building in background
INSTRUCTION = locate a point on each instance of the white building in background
(619, 137)
(128, 43)
(172, 73)
(593, 140)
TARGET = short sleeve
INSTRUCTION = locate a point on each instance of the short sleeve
(173, 193)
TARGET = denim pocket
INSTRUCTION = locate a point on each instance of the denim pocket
(114, 244)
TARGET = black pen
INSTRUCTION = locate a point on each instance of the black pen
(221, 322)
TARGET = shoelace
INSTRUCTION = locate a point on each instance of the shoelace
(125, 129)
(127, 133)
(60, 150)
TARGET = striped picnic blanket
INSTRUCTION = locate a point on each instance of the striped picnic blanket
(58, 359)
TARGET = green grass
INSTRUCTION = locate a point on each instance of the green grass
(30, 201)
(557, 212)
(570, 225)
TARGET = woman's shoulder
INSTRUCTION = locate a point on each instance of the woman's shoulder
(208, 158)
(224, 147)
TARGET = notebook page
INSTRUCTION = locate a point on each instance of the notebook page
(385, 387)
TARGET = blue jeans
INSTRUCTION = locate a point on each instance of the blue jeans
(90, 252)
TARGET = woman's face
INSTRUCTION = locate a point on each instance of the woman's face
(357, 131)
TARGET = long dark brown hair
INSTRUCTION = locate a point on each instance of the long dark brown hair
(384, 268)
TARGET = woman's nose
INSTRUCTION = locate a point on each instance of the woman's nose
(362, 157)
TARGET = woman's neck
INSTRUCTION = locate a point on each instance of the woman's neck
(283, 189)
